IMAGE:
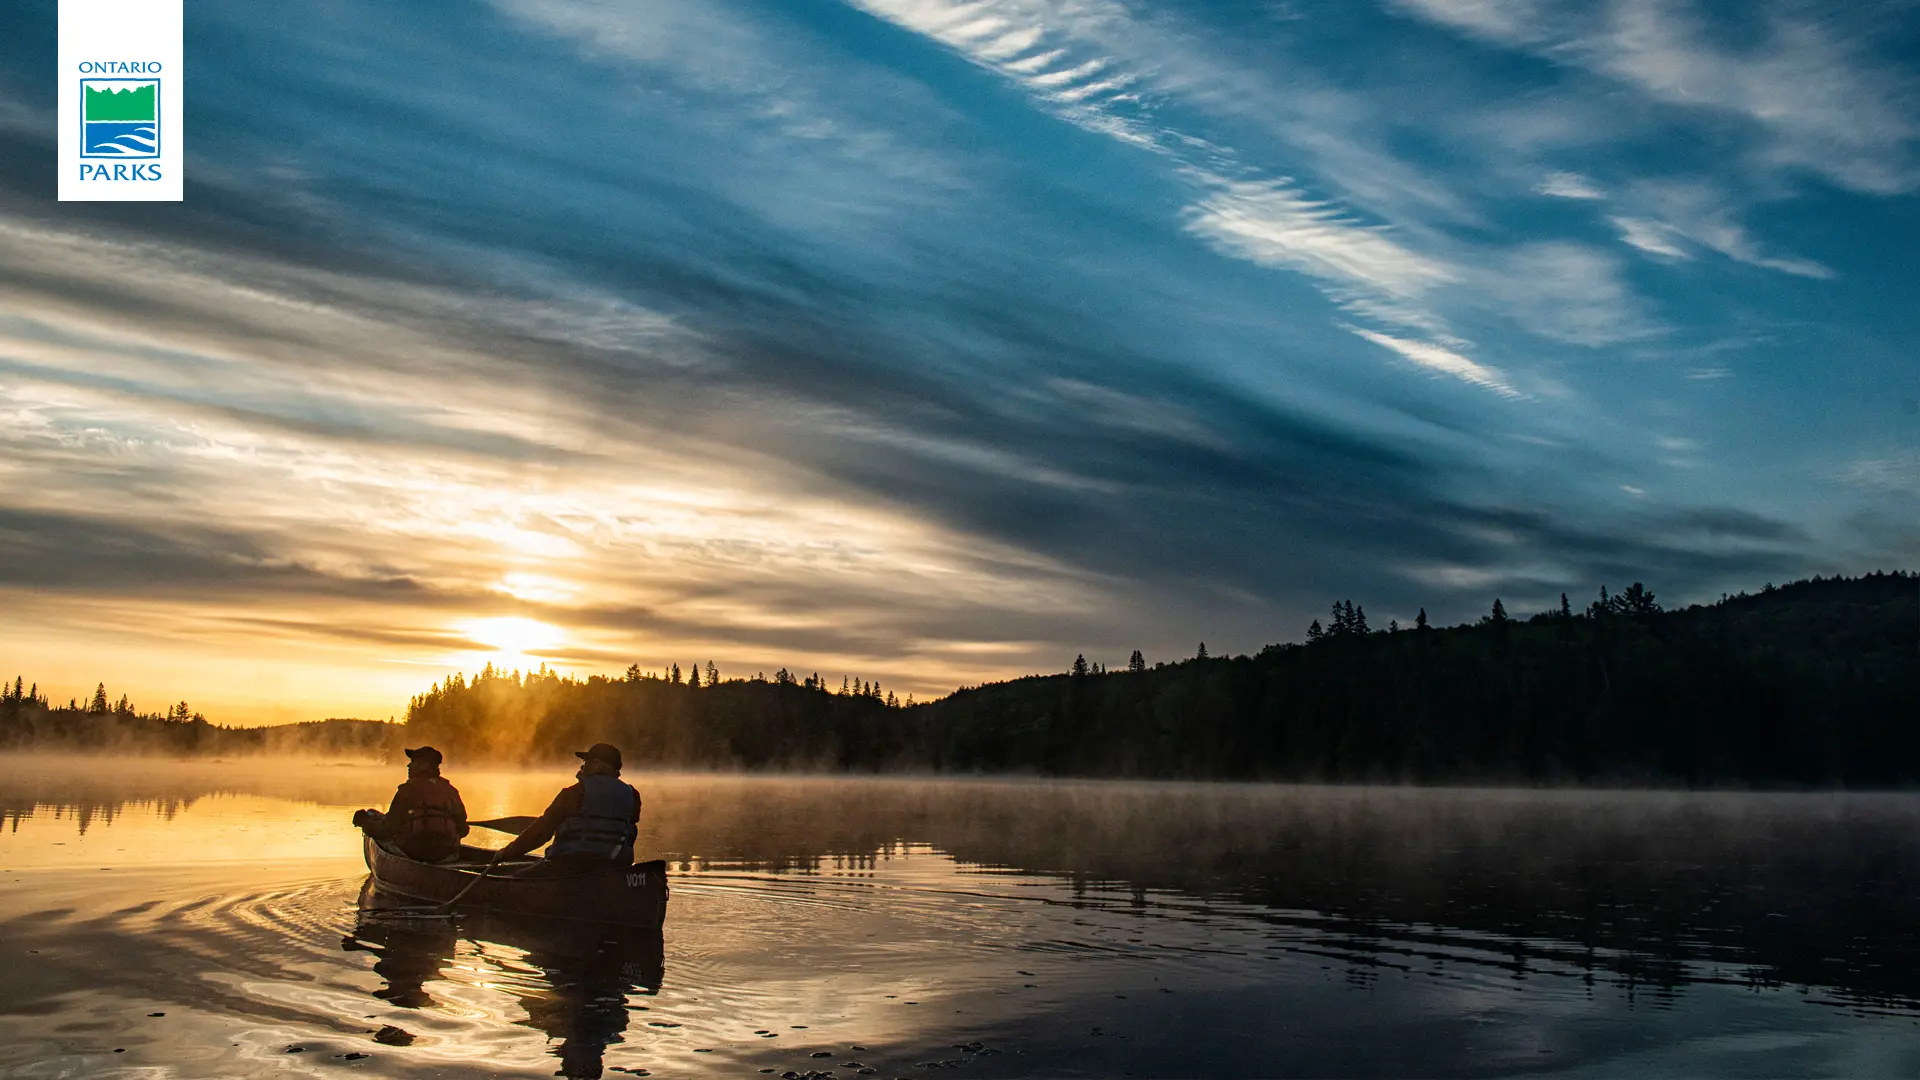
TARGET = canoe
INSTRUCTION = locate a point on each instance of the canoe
(631, 896)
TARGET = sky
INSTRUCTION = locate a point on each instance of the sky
(937, 342)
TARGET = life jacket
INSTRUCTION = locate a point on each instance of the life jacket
(434, 809)
(603, 827)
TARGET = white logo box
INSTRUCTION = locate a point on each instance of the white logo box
(120, 72)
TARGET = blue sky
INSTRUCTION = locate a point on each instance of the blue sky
(938, 342)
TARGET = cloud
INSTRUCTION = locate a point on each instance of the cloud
(1564, 292)
(1818, 92)
(1717, 232)
(1569, 185)
(1652, 237)
(1274, 225)
(1445, 361)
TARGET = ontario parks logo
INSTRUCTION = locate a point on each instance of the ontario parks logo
(120, 118)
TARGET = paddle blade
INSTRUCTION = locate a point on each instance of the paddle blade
(505, 824)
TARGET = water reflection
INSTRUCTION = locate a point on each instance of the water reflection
(1078, 927)
(572, 979)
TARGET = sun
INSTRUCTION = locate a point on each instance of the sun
(514, 635)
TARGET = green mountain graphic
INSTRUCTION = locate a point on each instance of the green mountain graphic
(133, 104)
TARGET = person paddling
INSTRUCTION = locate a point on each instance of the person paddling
(426, 819)
(592, 823)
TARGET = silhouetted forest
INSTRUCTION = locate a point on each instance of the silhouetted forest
(1811, 683)
(29, 721)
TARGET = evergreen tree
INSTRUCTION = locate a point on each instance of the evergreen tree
(1359, 624)
(673, 675)
(1498, 616)
(1393, 626)
(1202, 654)
(1080, 664)
(693, 675)
(633, 672)
(1420, 620)
(1636, 602)
(1136, 663)
(1314, 633)
(98, 706)
(1566, 610)
(713, 674)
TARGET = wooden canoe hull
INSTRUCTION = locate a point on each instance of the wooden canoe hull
(634, 896)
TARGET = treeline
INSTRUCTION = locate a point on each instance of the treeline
(30, 722)
(1812, 683)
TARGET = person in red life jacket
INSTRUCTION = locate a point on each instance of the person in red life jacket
(427, 818)
(592, 823)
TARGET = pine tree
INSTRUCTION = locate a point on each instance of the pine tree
(98, 706)
(1393, 626)
(1136, 663)
(713, 674)
(693, 676)
(1314, 633)
(1080, 664)
(1498, 617)
(673, 675)
(1420, 620)
(1202, 654)
(1566, 610)
(1359, 623)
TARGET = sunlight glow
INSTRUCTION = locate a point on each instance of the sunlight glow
(514, 635)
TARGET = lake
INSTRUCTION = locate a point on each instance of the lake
(196, 920)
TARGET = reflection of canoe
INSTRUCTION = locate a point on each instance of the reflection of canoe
(633, 896)
(573, 979)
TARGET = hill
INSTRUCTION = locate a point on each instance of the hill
(1812, 683)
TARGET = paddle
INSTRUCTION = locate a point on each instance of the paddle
(462, 894)
(505, 824)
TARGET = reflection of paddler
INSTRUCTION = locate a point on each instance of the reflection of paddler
(411, 952)
(592, 823)
(591, 971)
(426, 819)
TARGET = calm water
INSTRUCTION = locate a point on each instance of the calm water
(971, 929)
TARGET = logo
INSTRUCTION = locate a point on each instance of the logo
(120, 118)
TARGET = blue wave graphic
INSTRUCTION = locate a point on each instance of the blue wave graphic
(138, 138)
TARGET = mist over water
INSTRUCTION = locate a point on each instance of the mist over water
(971, 928)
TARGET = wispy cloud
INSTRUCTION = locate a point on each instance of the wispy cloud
(1570, 185)
(1716, 232)
(1093, 65)
(1824, 99)
(1275, 225)
(1444, 361)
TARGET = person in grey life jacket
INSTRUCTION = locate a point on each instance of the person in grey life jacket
(592, 823)
(426, 819)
